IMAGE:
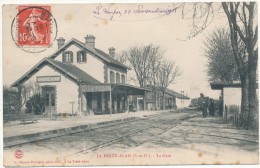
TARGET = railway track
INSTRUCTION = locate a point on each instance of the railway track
(131, 133)
(141, 134)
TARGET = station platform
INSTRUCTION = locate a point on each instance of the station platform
(17, 133)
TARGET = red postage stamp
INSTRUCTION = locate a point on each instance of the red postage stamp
(34, 26)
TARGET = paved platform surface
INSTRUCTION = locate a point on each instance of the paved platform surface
(15, 132)
(16, 128)
(203, 141)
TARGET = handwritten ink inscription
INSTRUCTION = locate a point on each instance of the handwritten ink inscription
(112, 12)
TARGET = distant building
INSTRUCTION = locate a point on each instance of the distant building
(173, 99)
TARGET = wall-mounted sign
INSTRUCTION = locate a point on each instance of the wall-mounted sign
(42, 79)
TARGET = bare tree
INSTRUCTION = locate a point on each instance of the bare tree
(241, 23)
(141, 59)
(167, 73)
(200, 14)
(218, 48)
(122, 57)
(153, 80)
(150, 68)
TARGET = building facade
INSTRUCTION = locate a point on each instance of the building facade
(81, 79)
(155, 99)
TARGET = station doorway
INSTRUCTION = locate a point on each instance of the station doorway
(49, 94)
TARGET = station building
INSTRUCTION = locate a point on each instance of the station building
(80, 79)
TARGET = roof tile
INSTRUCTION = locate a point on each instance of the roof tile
(74, 71)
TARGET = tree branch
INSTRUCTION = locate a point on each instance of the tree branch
(231, 20)
(244, 13)
(255, 36)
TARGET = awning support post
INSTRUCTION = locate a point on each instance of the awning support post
(144, 101)
(127, 97)
(110, 101)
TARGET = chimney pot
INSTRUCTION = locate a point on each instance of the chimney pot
(112, 52)
(90, 40)
(61, 42)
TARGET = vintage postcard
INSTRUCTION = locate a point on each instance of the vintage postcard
(140, 83)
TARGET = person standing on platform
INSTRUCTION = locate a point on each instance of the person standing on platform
(203, 105)
(211, 107)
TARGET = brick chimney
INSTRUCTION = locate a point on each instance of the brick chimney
(61, 42)
(112, 52)
(90, 40)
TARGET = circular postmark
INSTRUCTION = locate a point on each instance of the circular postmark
(34, 29)
(18, 154)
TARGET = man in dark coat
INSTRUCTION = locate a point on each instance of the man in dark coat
(211, 108)
(203, 105)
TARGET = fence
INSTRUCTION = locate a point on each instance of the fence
(234, 116)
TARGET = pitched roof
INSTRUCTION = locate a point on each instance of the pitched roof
(74, 71)
(169, 92)
(101, 54)
(176, 94)
(69, 70)
(112, 60)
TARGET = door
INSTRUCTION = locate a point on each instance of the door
(89, 102)
(50, 100)
(140, 104)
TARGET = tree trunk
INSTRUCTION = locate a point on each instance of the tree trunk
(252, 65)
(244, 95)
(253, 102)
(247, 71)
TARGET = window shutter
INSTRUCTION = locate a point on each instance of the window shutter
(85, 57)
(78, 55)
(63, 57)
(71, 57)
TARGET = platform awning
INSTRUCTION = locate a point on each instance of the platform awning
(115, 88)
(96, 88)
(129, 89)
(220, 86)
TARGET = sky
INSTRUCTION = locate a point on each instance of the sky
(120, 31)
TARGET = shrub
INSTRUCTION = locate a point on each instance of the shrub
(10, 100)
(35, 104)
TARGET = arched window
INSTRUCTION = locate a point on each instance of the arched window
(117, 78)
(112, 77)
(122, 78)
(67, 57)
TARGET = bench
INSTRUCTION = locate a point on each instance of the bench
(23, 118)
(29, 120)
